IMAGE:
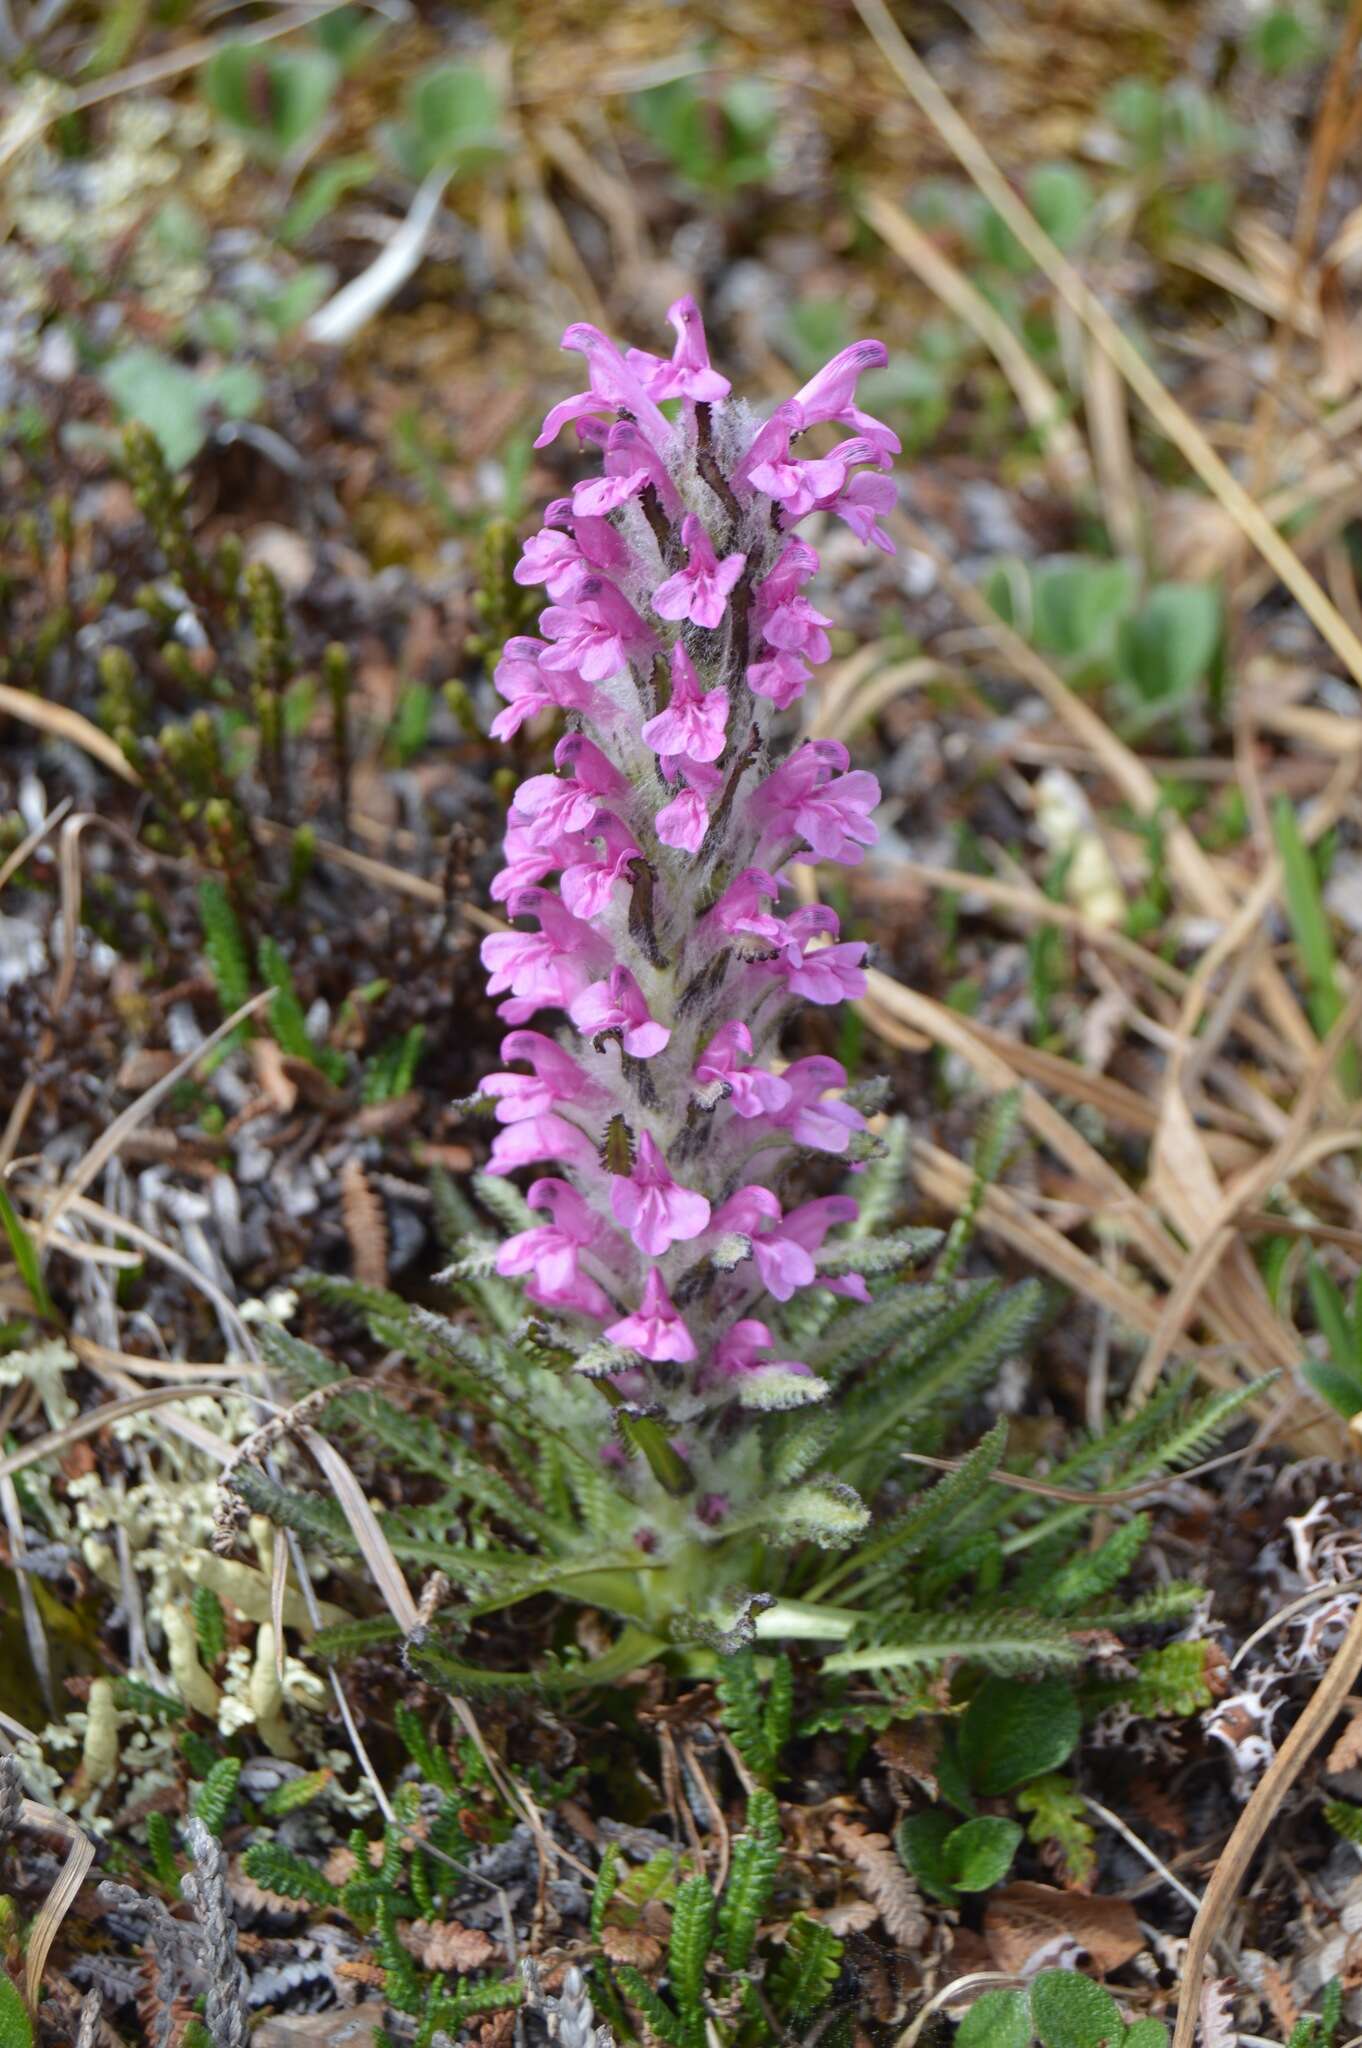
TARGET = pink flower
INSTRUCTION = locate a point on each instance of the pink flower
(550, 1252)
(830, 395)
(652, 1207)
(654, 1330)
(738, 911)
(751, 1090)
(803, 798)
(700, 591)
(783, 1247)
(556, 1078)
(589, 883)
(529, 687)
(688, 374)
(813, 1117)
(684, 821)
(781, 677)
(693, 723)
(555, 560)
(618, 1005)
(615, 387)
(531, 853)
(796, 627)
(595, 635)
(863, 503)
(736, 1353)
(541, 1137)
(544, 968)
(821, 974)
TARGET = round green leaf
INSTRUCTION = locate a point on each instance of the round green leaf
(921, 1841)
(980, 1852)
(1000, 2019)
(1146, 2034)
(1070, 2011)
(1012, 1731)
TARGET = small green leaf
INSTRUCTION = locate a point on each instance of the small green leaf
(275, 99)
(16, 2028)
(1166, 649)
(324, 191)
(25, 1255)
(1071, 2011)
(1078, 604)
(1000, 2019)
(1012, 1731)
(1146, 2034)
(1061, 198)
(921, 1842)
(979, 1853)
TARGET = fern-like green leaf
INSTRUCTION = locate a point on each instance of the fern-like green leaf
(1006, 1641)
(688, 1951)
(803, 1979)
(161, 1849)
(751, 1880)
(215, 1794)
(210, 1624)
(607, 1878)
(663, 2024)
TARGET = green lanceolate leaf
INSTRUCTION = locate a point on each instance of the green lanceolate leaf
(1013, 1732)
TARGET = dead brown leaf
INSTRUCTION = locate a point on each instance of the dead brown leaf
(1346, 1753)
(1024, 1918)
(631, 1945)
(909, 1752)
(448, 1945)
(366, 1226)
(882, 1877)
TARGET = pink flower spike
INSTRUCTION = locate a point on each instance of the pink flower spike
(796, 627)
(652, 1207)
(618, 1005)
(693, 723)
(655, 1329)
(751, 1090)
(598, 495)
(688, 374)
(700, 591)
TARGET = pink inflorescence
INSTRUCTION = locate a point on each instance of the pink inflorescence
(648, 872)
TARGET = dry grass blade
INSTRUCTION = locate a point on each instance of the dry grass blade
(1181, 430)
(80, 1855)
(55, 1441)
(32, 841)
(1264, 1805)
(1036, 395)
(374, 1545)
(67, 725)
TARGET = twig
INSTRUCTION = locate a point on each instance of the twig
(1142, 1850)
